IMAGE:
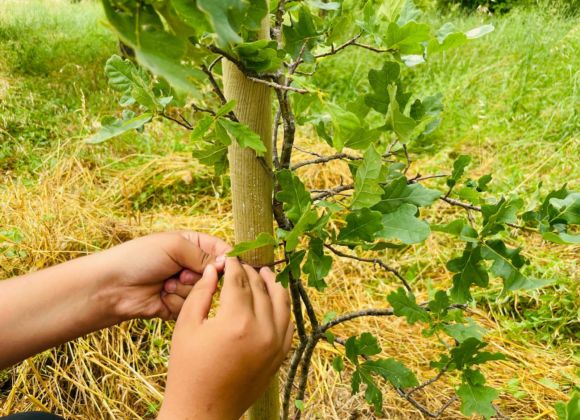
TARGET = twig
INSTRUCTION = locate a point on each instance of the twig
(308, 305)
(419, 178)
(185, 124)
(422, 408)
(334, 50)
(324, 159)
(216, 87)
(277, 85)
(353, 315)
(292, 370)
(454, 202)
(214, 62)
(430, 381)
(332, 191)
(408, 159)
(205, 110)
(376, 261)
(306, 360)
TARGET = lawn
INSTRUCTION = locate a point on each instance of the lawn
(511, 101)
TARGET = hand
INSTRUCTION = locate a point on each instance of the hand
(153, 275)
(219, 366)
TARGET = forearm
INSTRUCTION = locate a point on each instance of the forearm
(51, 306)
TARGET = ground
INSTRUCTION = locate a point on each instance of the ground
(511, 102)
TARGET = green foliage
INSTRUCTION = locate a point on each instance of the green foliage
(262, 240)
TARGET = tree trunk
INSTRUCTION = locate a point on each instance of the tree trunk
(252, 189)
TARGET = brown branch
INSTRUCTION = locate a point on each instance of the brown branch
(277, 85)
(308, 305)
(335, 50)
(376, 261)
(422, 408)
(185, 124)
(353, 315)
(306, 361)
(331, 192)
(324, 159)
(205, 110)
(216, 87)
(292, 370)
(454, 202)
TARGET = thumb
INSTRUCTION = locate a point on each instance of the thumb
(189, 254)
(198, 303)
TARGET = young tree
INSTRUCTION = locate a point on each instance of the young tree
(222, 61)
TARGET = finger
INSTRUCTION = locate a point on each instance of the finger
(236, 292)
(174, 303)
(189, 254)
(173, 286)
(260, 296)
(280, 299)
(198, 302)
(209, 245)
(189, 277)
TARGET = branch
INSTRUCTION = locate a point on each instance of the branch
(376, 261)
(332, 191)
(185, 124)
(205, 110)
(309, 308)
(229, 57)
(214, 84)
(292, 370)
(324, 159)
(424, 409)
(306, 360)
(334, 50)
(354, 315)
(277, 85)
(454, 202)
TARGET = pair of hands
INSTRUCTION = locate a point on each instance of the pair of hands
(218, 366)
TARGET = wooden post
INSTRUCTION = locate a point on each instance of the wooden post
(252, 189)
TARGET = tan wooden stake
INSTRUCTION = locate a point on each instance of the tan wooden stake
(252, 189)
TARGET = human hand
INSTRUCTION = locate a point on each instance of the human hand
(152, 275)
(219, 366)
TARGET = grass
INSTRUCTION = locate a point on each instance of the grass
(511, 101)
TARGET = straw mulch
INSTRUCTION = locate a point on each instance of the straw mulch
(76, 207)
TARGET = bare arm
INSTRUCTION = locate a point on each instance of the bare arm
(144, 278)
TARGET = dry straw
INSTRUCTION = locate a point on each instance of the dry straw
(75, 208)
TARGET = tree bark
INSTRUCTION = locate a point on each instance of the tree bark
(252, 189)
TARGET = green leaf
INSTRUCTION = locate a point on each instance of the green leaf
(468, 354)
(459, 228)
(458, 169)
(317, 264)
(399, 191)
(301, 31)
(299, 404)
(367, 190)
(373, 394)
(293, 194)
(571, 410)
(408, 38)
(228, 17)
(338, 364)
(308, 219)
(365, 345)
(507, 264)
(112, 127)
(440, 303)
(404, 304)
(262, 240)
(396, 121)
(402, 224)
(157, 48)
(470, 270)
(243, 135)
(202, 128)
(379, 81)
(361, 225)
(476, 398)
(392, 371)
(495, 216)
(561, 238)
(125, 77)
(568, 208)
(292, 267)
(260, 56)
(462, 332)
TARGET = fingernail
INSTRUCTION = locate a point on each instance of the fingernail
(221, 259)
(170, 286)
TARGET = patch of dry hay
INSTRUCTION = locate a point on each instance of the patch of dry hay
(119, 373)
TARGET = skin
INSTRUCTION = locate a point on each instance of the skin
(171, 276)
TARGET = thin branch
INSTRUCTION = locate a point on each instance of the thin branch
(205, 110)
(214, 62)
(332, 191)
(430, 381)
(185, 124)
(376, 261)
(292, 370)
(353, 315)
(422, 408)
(334, 50)
(419, 178)
(306, 360)
(409, 161)
(216, 87)
(324, 159)
(308, 305)
(277, 85)
(374, 49)
(454, 202)
(229, 57)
